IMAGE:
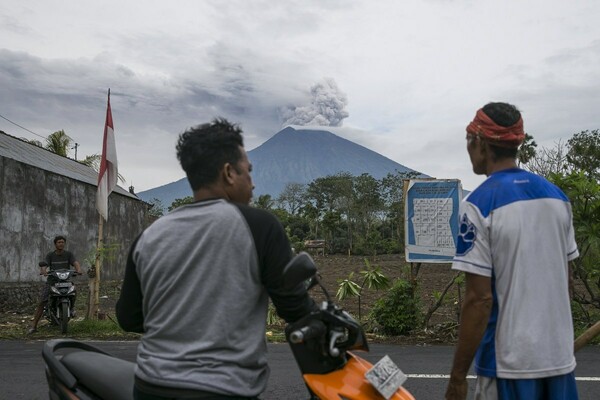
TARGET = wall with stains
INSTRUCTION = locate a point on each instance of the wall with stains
(36, 205)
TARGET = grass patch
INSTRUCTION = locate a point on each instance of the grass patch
(99, 329)
(14, 326)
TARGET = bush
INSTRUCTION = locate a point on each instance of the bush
(583, 318)
(398, 312)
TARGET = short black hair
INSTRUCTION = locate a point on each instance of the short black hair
(60, 237)
(203, 150)
(503, 114)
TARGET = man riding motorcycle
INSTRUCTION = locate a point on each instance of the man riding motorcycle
(57, 259)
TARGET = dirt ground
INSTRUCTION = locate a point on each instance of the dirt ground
(431, 278)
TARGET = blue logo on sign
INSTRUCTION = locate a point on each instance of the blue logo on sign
(467, 234)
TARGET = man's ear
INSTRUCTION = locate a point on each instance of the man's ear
(483, 145)
(227, 173)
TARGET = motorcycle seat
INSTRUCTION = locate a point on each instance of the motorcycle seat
(105, 376)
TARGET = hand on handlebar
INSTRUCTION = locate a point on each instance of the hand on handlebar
(314, 329)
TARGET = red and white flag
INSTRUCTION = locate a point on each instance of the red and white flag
(107, 176)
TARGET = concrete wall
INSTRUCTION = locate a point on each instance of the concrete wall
(36, 205)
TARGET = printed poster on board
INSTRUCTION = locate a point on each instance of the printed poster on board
(431, 219)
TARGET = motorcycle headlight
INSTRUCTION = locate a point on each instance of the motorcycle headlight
(55, 290)
(71, 289)
(62, 275)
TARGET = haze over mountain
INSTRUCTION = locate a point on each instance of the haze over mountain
(296, 156)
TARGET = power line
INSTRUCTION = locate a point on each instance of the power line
(22, 127)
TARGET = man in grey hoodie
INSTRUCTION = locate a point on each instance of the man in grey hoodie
(198, 280)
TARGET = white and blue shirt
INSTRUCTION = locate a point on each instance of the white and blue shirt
(517, 229)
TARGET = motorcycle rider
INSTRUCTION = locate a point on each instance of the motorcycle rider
(57, 259)
(197, 281)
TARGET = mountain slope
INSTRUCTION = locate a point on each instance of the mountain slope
(296, 156)
(301, 156)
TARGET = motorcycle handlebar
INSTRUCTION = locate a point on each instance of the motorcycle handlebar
(75, 273)
(315, 328)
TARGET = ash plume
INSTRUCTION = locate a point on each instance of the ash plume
(326, 107)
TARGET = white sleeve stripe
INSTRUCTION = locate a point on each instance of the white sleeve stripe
(473, 264)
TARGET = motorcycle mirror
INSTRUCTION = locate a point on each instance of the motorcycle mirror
(299, 269)
(43, 264)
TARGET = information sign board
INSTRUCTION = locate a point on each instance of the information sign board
(431, 219)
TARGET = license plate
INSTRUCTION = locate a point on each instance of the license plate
(63, 284)
(386, 377)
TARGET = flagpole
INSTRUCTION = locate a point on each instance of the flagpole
(94, 283)
(98, 265)
(99, 253)
(107, 177)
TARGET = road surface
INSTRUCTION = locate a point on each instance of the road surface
(427, 367)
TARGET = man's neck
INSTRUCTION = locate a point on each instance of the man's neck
(500, 165)
(210, 193)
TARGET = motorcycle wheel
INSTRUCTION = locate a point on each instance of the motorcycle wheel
(64, 317)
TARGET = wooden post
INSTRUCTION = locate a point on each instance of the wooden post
(90, 303)
(94, 285)
(586, 336)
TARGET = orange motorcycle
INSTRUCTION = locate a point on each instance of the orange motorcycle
(324, 344)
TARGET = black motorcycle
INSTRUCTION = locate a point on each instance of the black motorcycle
(61, 297)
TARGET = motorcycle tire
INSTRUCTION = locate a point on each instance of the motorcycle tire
(64, 317)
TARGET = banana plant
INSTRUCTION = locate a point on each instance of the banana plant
(372, 278)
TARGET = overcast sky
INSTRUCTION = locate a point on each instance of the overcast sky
(402, 78)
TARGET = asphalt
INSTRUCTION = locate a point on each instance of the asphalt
(23, 369)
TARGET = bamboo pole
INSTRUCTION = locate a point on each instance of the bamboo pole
(94, 284)
(586, 336)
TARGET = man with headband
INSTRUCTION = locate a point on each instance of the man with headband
(514, 244)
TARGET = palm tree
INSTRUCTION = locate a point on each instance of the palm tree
(34, 142)
(59, 143)
(93, 162)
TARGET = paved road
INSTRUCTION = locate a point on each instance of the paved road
(23, 377)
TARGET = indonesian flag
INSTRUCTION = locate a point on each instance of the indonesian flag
(107, 176)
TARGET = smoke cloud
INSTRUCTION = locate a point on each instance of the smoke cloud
(326, 107)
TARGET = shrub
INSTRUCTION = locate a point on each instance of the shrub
(398, 312)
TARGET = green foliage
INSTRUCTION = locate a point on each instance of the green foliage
(94, 327)
(583, 319)
(264, 202)
(357, 215)
(580, 182)
(59, 143)
(348, 288)
(292, 197)
(181, 202)
(93, 161)
(584, 152)
(584, 193)
(527, 150)
(272, 317)
(398, 312)
(372, 278)
(157, 209)
(107, 252)
(34, 142)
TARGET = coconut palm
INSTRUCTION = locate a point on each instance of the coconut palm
(93, 162)
(59, 143)
(34, 142)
